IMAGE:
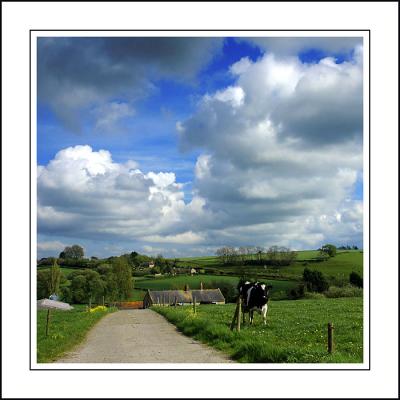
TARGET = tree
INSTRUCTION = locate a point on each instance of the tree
(221, 253)
(43, 283)
(55, 277)
(110, 284)
(315, 281)
(86, 286)
(75, 252)
(123, 278)
(259, 251)
(280, 256)
(356, 280)
(47, 280)
(328, 249)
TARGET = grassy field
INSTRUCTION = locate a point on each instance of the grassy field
(339, 266)
(296, 331)
(66, 329)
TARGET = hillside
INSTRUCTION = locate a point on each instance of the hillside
(339, 266)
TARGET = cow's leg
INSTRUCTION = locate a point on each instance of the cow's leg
(264, 313)
(251, 316)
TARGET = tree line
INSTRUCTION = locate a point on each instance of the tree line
(107, 280)
(255, 255)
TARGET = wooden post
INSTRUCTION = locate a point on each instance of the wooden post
(331, 345)
(239, 311)
(47, 321)
(236, 317)
(194, 305)
(103, 301)
(90, 303)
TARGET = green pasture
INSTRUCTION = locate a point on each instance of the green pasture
(66, 330)
(296, 331)
(339, 266)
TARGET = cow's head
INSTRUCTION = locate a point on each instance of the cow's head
(266, 289)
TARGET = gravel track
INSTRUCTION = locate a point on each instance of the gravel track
(140, 336)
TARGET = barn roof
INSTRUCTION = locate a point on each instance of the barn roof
(208, 295)
(181, 296)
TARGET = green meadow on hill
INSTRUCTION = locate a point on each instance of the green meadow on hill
(341, 265)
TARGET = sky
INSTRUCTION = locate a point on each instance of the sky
(181, 145)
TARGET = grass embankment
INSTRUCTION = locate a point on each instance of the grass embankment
(338, 267)
(66, 330)
(296, 331)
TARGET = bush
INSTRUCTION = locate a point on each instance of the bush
(315, 281)
(338, 280)
(297, 292)
(356, 280)
(328, 249)
(86, 285)
(346, 291)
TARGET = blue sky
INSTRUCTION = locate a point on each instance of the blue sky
(181, 145)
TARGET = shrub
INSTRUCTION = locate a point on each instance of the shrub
(315, 281)
(297, 292)
(346, 291)
(356, 280)
(338, 280)
(328, 249)
(314, 296)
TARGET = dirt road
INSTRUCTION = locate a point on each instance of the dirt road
(140, 336)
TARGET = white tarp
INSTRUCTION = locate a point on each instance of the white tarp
(45, 304)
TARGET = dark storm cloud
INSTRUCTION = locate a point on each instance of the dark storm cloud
(295, 45)
(77, 72)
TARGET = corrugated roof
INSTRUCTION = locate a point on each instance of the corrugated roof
(208, 295)
(180, 296)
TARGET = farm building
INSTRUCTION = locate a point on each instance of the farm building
(183, 297)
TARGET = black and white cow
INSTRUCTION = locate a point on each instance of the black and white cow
(255, 296)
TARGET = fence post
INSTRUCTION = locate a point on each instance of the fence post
(331, 345)
(194, 305)
(236, 317)
(47, 321)
(239, 311)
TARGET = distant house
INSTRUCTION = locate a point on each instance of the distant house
(182, 297)
(151, 264)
